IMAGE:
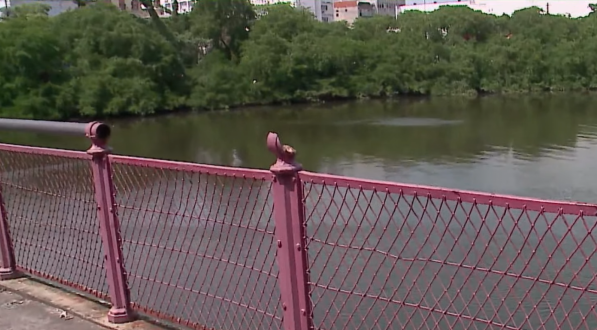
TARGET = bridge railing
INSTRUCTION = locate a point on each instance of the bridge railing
(211, 247)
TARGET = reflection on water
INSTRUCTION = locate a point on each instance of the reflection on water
(541, 146)
(398, 122)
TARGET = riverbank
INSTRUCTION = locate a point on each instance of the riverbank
(63, 67)
(335, 103)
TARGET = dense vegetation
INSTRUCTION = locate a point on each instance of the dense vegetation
(98, 61)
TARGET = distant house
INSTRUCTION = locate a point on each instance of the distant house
(428, 2)
(184, 6)
(321, 9)
(61, 6)
(349, 11)
(132, 6)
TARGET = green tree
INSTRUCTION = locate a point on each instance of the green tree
(100, 61)
(82, 3)
(31, 68)
(27, 10)
(225, 22)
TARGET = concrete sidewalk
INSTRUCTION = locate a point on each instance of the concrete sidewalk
(19, 313)
(26, 304)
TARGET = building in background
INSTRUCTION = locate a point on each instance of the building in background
(327, 11)
(267, 2)
(184, 6)
(56, 6)
(420, 2)
(346, 11)
(349, 11)
(133, 6)
(389, 7)
(321, 9)
(61, 6)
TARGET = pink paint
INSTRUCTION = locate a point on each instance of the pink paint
(120, 311)
(8, 269)
(289, 217)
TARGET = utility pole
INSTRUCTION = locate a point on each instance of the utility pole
(6, 10)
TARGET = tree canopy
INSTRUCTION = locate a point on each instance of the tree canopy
(98, 61)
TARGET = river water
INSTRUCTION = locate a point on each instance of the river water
(542, 146)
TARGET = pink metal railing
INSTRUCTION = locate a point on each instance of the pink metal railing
(198, 242)
(51, 213)
(388, 255)
(210, 247)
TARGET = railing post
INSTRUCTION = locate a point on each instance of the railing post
(8, 269)
(289, 218)
(109, 226)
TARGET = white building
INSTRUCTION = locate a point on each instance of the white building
(327, 10)
(184, 6)
(269, 2)
(324, 10)
(321, 9)
(56, 6)
(388, 7)
(420, 2)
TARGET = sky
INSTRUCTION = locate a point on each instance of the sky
(499, 7)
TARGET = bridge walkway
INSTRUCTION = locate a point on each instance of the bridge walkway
(20, 313)
(26, 304)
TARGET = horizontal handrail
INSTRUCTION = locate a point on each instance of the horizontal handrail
(481, 198)
(102, 131)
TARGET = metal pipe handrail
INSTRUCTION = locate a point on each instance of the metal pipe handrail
(55, 127)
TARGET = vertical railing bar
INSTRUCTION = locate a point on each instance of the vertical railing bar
(120, 312)
(8, 269)
(289, 218)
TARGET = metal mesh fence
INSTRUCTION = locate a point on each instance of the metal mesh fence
(199, 245)
(386, 256)
(52, 217)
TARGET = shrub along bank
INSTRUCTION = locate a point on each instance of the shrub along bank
(97, 61)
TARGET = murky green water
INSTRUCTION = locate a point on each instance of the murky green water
(542, 146)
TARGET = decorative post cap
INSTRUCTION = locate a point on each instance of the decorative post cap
(285, 155)
(98, 133)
